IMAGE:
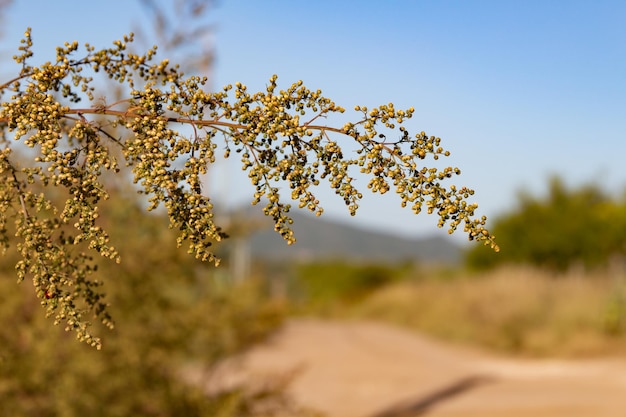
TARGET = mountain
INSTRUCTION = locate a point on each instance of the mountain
(322, 239)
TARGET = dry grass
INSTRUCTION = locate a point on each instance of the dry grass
(513, 310)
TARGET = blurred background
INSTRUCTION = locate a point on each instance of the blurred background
(529, 97)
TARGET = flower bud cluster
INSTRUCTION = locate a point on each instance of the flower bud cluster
(276, 133)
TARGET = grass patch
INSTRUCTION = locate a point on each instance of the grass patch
(513, 310)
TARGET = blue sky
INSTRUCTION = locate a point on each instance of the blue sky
(517, 90)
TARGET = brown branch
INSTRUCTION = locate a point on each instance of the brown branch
(18, 78)
(19, 191)
(183, 120)
(198, 123)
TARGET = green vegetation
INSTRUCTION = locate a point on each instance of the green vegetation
(582, 226)
(320, 287)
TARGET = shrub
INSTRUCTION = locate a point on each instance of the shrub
(580, 226)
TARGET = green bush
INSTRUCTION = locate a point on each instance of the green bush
(321, 284)
(581, 226)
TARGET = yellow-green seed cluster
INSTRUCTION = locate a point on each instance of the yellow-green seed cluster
(277, 134)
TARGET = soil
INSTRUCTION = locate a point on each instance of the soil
(367, 369)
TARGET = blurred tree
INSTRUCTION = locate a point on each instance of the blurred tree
(566, 227)
(52, 202)
(181, 30)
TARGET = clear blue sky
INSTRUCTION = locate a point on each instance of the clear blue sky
(517, 90)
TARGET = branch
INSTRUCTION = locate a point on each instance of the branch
(264, 128)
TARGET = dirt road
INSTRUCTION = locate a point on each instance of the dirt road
(365, 369)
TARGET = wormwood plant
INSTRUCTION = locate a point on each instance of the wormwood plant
(277, 135)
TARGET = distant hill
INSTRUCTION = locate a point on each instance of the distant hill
(322, 239)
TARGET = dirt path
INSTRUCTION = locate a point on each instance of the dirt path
(365, 369)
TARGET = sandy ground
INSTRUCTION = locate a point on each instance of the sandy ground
(366, 369)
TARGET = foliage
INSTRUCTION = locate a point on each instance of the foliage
(175, 318)
(320, 285)
(74, 149)
(583, 225)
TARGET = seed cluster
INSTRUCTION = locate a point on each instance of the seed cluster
(277, 135)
